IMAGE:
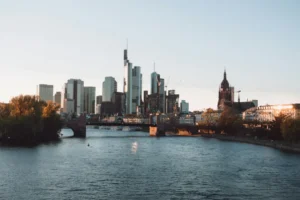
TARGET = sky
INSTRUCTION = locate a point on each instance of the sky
(191, 43)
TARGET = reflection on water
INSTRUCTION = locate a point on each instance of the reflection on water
(134, 147)
(132, 165)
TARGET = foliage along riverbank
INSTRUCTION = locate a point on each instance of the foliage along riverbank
(283, 132)
(27, 121)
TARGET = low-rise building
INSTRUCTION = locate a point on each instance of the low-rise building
(268, 113)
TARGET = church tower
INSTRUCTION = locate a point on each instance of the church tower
(225, 93)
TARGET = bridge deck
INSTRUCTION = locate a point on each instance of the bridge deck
(118, 124)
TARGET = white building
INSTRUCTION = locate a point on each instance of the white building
(74, 90)
(127, 89)
(98, 109)
(136, 89)
(268, 113)
(109, 86)
(44, 92)
(184, 106)
(89, 99)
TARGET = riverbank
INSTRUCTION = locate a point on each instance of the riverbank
(281, 145)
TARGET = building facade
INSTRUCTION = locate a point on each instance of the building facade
(127, 87)
(267, 113)
(109, 86)
(172, 102)
(136, 89)
(118, 100)
(44, 92)
(89, 99)
(57, 98)
(75, 91)
(226, 93)
(154, 80)
(184, 107)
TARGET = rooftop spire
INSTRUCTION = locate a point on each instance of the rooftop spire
(225, 74)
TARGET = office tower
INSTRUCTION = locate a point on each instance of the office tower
(162, 97)
(63, 95)
(127, 89)
(89, 99)
(45, 92)
(57, 98)
(184, 106)
(109, 86)
(154, 83)
(136, 89)
(172, 102)
(75, 91)
(99, 99)
(118, 100)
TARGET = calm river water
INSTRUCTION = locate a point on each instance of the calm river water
(132, 165)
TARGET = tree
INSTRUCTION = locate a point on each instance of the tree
(230, 121)
(4, 110)
(275, 126)
(290, 129)
(209, 118)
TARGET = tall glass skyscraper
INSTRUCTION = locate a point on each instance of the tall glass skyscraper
(127, 89)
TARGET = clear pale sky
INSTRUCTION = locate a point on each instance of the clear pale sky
(191, 42)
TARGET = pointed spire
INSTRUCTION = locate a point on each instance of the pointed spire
(225, 74)
(154, 66)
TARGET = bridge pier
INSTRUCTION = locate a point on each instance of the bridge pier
(78, 126)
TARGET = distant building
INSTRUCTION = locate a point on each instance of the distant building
(118, 100)
(127, 84)
(44, 92)
(89, 99)
(107, 109)
(226, 93)
(74, 90)
(57, 98)
(172, 102)
(99, 99)
(267, 113)
(146, 104)
(69, 106)
(184, 107)
(154, 80)
(109, 86)
(136, 88)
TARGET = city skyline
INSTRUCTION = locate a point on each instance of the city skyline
(188, 42)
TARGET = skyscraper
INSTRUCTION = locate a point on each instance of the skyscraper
(75, 92)
(136, 88)
(57, 98)
(109, 86)
(184, 106)
(44, 92)
(127, 89)
(89, 99)
(154, 83)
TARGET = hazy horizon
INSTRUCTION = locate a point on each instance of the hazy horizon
(190, 42)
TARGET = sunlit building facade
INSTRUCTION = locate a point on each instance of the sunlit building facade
(268, 113)
(44, 92)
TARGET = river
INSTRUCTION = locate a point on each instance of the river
(131, 165)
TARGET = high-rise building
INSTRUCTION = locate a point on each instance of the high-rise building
(118, 99)
(109, 86)
(136, 88)
(99, 99)
(184, 106)
(64, 94)
(44, 92)
(127, 89)
(154, 76)
(57, 98)
(74, 90)
(89, 99)
(162, 96)
(172, 102)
